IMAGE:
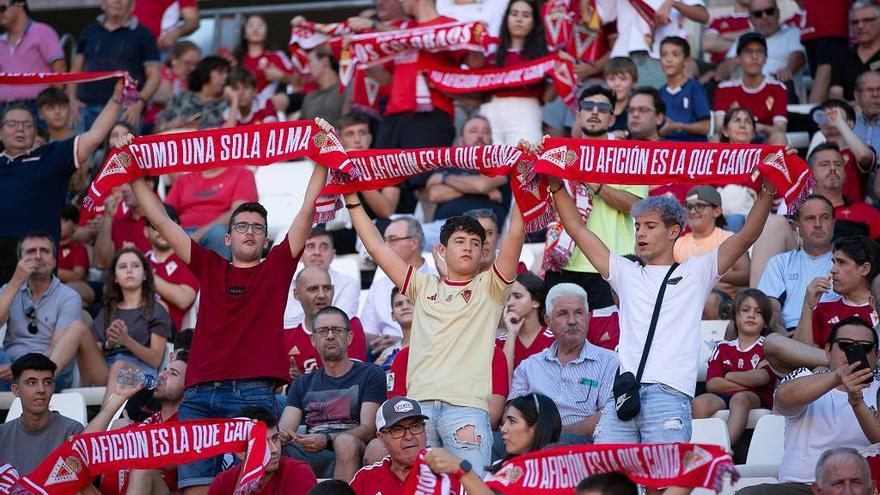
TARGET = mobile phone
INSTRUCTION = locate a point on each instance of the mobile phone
(856, 354)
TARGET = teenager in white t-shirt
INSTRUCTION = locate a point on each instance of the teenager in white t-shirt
(826, 410)
(670, 374)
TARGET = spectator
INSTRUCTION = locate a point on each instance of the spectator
(34, 185)
(244, 108)
(456, 190)
(490, 224)
(337, 403)
(26, 441)
(460, 312)
(864, 17)
(404, 235)
(123, 223)
(621, 76)
(825, 35)
(852, 217)
(205, 201)
(168, 20)
(282, 474)
(522, 39)
(571, 368)
(706, 221)
(319, 253)
(491, 12)
(658, 222)
(687, 106)
(836, 126)
(332, 487)
(787, 274)
(723, 31)
(402, 314)
(400, 426)
(645, 114)
(766, 98)
(525, 332)
(739, 378)
(38, 309)
(53, 108)
(271, 67)
(176, 70)
(842, 468)
(784, 52)
(232, 362)
(114, 41)
(314, 290)
(867, 93)
(325, 101)
(614, 483)
(202, 105)
(816, 415)
(176, 286)
(73, 258)
(26, 46)
(609, 217)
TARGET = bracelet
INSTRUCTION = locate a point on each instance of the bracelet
(598, 189)
(352, 206)
(552, 192)
(767, 191)
(118, 101)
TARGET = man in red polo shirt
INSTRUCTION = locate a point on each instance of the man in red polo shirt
(400, 425)
(852, 217)
(176, 285)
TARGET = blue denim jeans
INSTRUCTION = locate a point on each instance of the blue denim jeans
(665, 418)
(220, 400)
(445, 421)
(4, 359)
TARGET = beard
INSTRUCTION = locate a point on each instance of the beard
(594, 134)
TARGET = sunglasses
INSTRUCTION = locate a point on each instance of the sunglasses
(847, 345)
(600, 106)
(757, 14)
(31, 314)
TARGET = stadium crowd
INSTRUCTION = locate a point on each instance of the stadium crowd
(448, 340)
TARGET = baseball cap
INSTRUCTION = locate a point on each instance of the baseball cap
(395, 410)
(750, 37)
(706, 193)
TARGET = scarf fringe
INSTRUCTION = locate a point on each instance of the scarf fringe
(130, 93)
(801, 198)
(247, 488)
(721, 472)
(325, 211)
(554, 260)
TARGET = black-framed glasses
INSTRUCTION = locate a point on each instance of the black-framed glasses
(846, 345)
(769, 11)
(392, 240)
(337, 331)
(400, 431)
(243, 227)
(599, 106)
(697, 207)
(31, 314)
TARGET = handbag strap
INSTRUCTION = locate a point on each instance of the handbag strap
(653, 325)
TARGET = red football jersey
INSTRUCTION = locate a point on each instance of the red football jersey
(824, 18)
(860, 212)
(834, 308)
(767, 102)
(128, 230)
(735, 22)
(174, 271)
(117, 483)
(543, 340)
(604, 328)
(261, 113)
(265, 60)
(856, 180)
(729, 357)
(298, 342)
(396, 377)
(73, 255)
(379, 479)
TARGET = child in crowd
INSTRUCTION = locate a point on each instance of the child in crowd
(244, 107)
(402, 313)
(687, 106)
(53, 107)
(739, 377)
(621, 76)
(73, 257)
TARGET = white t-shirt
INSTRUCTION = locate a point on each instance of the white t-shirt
(634, 33)
(779, 47)
(674, 28)
(346, 294)
(826, 423)
(489, 11)
(675, 350)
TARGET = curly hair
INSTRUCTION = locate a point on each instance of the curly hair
(669, 209)
(113, 292)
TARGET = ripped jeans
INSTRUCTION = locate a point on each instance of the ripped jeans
(665, 417)
(463, 431)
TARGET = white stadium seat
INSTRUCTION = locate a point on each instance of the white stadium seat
(281, 189)
(68, 404)
(766, 449)
(710, 431)
(755, 415)
(711, 332)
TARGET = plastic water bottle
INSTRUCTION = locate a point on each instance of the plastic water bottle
(133, 378)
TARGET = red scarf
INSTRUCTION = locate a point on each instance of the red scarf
(454, 80)
(73, 465)
(588, 41)
(558, 23)
(558, 471)
(383, 168)
(261, 144)
(657, 163)
(8, 477)
(129, 95)
(308, 35)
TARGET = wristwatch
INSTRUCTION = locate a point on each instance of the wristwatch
(463, 469)
(329, 440)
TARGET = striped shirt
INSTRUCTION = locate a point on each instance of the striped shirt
(579, 388)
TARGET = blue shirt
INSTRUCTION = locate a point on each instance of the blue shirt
(33, 188)
(128, 48)
(786, 278)
(686, 105)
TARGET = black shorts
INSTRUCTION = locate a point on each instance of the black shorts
(726, 398)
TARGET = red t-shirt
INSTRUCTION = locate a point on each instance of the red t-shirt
(239, 326)
(292, 478)
(767, 102)
(604, 330)
(407, 68)
(543, 340)
(735, 22)
(174, 271)
(265, 60)
(152, 12)
(728, 357)
(199, 201)
(396, 376)
(514, 57)
(825, 18)
(125, 229)
(117, 483)
(177, 85)
(379, 479)
(298, 341)
(260, 113)
(856, 180)
(834, 308)
(73, 255)
(860, 212)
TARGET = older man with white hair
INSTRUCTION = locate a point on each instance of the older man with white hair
(576, 374)
(842, 470)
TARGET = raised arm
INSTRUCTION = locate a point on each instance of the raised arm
(379, 250)
(511, 247)
(737, 245)
(90, 140)
(153, 208)
(589, 243)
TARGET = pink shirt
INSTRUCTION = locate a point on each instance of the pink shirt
(35, 52)
(199, 201)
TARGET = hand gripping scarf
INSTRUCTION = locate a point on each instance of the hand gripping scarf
(129, 94)
(261, 144)
(73, 465)
(558, 471)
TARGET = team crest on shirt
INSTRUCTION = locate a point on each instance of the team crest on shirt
(724, 25)
(171, 267)
(769, 102)
(65, 252)
(755, 361)
(739, 363)
(466, 295)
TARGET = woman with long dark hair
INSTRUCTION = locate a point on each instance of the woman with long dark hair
(515, 113)
(271, 67)
(524, 321)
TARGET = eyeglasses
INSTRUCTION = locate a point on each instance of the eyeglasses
(697, 207)
(400, 431)
(866, 20)
(599, 106)
(24, 124)
(31, 314)
(243, 227)
(757, 14)
(392, 240)
(336, 331)
(847, 345)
